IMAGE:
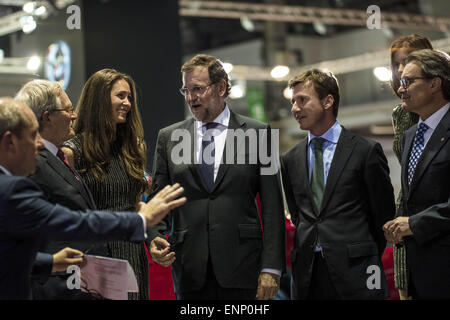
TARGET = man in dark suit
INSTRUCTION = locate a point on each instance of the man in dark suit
(423, 219)
(26, 216)
(339, 196)
(217, 245)
(59, 182)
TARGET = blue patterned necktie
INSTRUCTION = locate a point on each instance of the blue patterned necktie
(207, 169)
(417, 149)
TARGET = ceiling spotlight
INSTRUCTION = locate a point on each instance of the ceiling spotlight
(41, 11)
(287, 93)
(227, 66)
(382, 73)
(34, 63)
(320, 28)
(236, 92)
(279, 72)
(29, 7)
(247, 24)
(28, 24)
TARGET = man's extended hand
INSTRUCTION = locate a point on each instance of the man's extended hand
(268, 285)
(65, 258)
(164, 201)
(159, 251)
(395, 230)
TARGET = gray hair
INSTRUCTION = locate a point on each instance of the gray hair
(40, 95)
(433, 64)
(12, 117)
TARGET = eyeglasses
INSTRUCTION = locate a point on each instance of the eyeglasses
(196, 90)
(68, 109)
(406, 82)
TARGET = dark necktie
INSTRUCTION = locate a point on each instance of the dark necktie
(419, 143)
(206, 167)
(317, 176)
(60, 154)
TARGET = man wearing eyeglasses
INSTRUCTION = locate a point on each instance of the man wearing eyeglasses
(60, 183)
(217, 247)
(423, 219)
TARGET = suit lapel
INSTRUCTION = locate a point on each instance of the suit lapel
(61, 169)
(409, 139)
(439, 137)
(341, 155)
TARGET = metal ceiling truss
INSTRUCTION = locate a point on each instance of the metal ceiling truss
(339, 66)
(284, 13)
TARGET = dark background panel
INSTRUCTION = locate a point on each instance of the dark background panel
(140, 38)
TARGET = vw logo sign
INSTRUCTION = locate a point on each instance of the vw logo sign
(58, 63)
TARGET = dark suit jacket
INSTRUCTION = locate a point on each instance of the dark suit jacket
(358, 199)
(26, 216)
(61, 187)
(427, 203)
(223, 224)
(42, 267)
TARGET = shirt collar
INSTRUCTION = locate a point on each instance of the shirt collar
(223, 119)
(331, 135)
(6, 171)
(50, 147)
(433, 120)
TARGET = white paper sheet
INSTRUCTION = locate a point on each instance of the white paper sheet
(108, 277)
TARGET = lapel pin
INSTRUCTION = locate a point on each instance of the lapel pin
(442, 139)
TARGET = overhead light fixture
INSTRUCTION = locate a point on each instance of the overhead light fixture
(382, 73)
(34, 63)
(227, 67)
(279, 72)
(29, 7)
(247, 24)
(287, 93)
(320, 28)
(28, 24)
(2, 55)
(237, 92)
(41, 11)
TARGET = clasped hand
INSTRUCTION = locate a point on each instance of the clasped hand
(395, 230)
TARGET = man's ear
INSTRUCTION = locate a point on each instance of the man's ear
(436, 83)
(222, 87)
(45, 117)
(328, 102)
(8, 141)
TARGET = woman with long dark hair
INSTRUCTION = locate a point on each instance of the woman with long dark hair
(109, 153)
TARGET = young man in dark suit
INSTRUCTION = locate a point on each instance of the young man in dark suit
(339, 196)
(59, 182)
(219, 247)
(423, 219)
(26, 217)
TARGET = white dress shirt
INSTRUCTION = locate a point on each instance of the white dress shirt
(432, 122)
(220, 135)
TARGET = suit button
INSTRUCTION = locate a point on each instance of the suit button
(319, 220)
(212, 197)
